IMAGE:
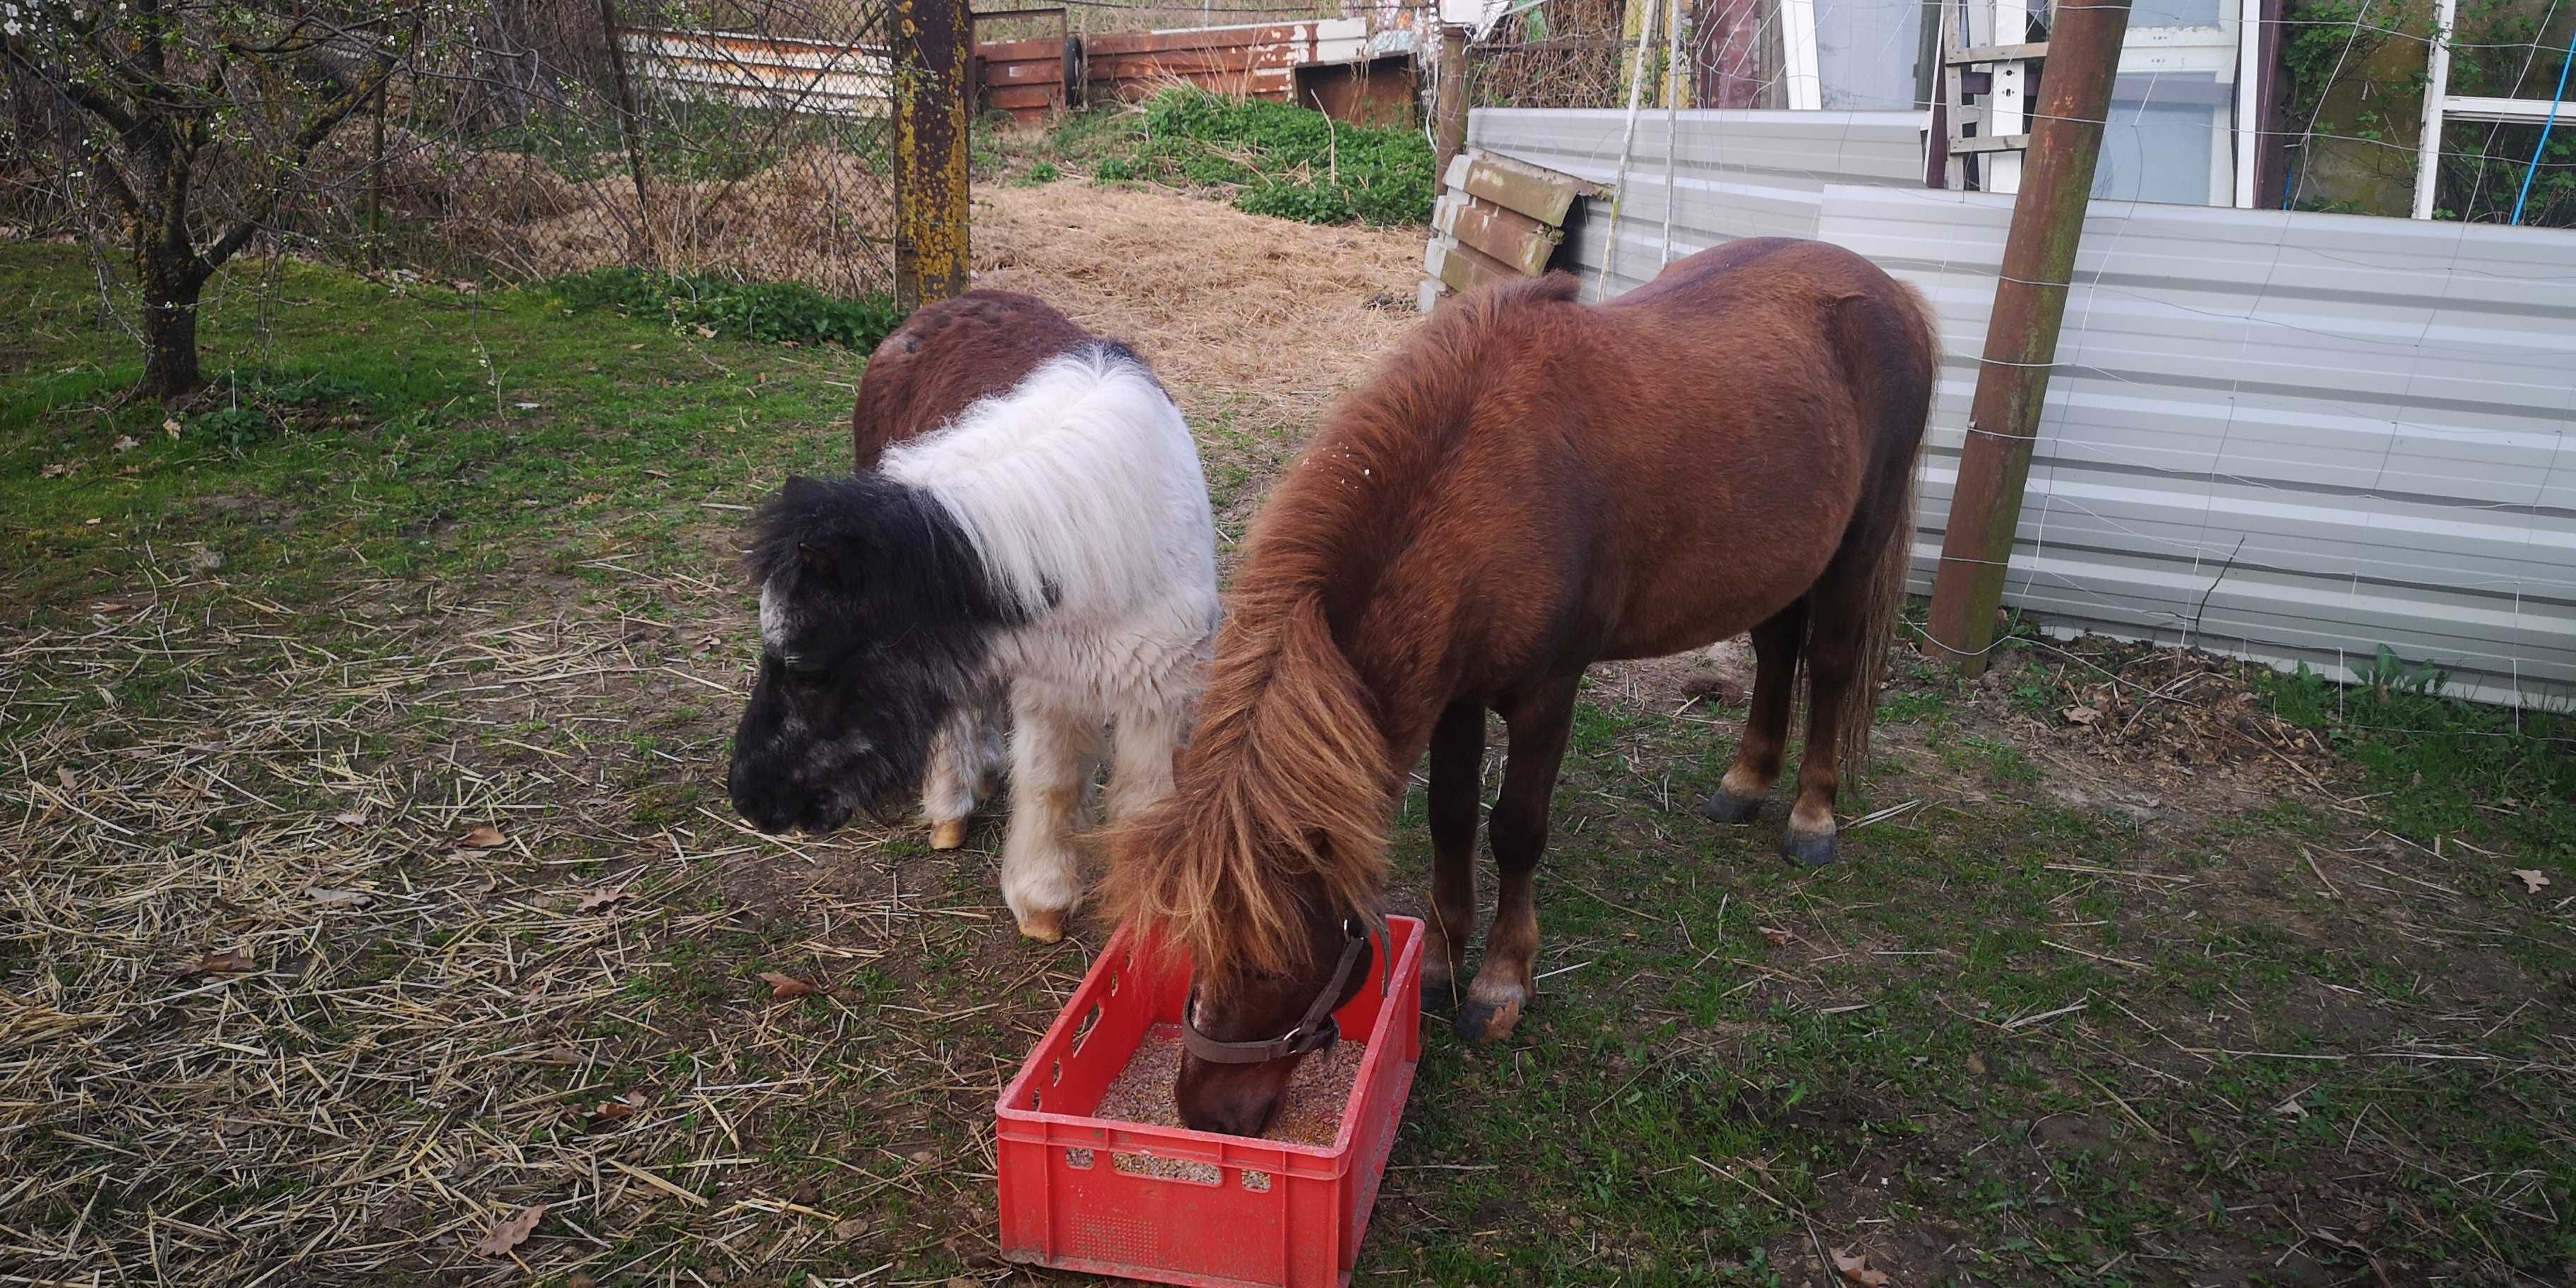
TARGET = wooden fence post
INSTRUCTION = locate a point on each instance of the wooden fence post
(2021, 335)
(931, 102)
(1449, 103)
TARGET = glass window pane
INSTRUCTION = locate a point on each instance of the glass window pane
(2156, 144)
(1865, 51)
(2173, 13)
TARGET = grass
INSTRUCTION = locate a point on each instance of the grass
(1273, 158)
(2073, 1015)
(400, 430)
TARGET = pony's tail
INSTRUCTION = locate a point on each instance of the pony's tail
(1281, 796)
(1893, 566)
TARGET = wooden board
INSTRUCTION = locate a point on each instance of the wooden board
(1465, 268)
(1540, 193)
(1507, 235)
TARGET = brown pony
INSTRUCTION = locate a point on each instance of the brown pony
(1528, 486)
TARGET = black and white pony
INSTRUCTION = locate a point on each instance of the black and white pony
(1028, 525)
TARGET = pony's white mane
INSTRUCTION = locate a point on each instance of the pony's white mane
(1079, 487)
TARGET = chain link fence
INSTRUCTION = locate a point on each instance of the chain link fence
(751, 139)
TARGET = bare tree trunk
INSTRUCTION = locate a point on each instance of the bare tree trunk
(170, 331)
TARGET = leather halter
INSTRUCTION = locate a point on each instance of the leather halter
(1316, 1032)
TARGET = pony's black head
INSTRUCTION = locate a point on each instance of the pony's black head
(876, 616)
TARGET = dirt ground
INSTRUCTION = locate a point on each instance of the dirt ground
(347, 920)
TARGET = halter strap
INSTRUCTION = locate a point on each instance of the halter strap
(1317, 1031)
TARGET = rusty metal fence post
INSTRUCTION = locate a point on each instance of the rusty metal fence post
(931, 100)
(2021, 337)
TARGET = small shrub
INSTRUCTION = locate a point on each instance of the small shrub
(1044, 172)
(234, 428)
(761, 312)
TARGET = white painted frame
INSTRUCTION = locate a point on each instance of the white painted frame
(2437, 104)
(1799, 61)
(2442, 107)
(2249, 98)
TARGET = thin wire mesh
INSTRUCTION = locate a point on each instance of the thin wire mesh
(528, 138)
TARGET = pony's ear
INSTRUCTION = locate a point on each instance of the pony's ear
(818, 560)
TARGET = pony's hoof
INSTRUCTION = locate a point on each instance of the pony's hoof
(948, 834)
(1044, 927)
(1439, 990)
(1726, 807)
(1480, 1020)
(1807, 851)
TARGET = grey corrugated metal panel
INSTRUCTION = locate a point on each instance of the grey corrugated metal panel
(1802, 149)
(2293, 436)
(1706, 215)
(1733, 174)
(2326, 537)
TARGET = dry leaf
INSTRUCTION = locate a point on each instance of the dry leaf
(1855, 1270)
(2291, 1108)
(2080, 715)
(2533, 879)
(580, 1280)
(620, 1109)
(850, 1229)
(1976, 1064)
(63, 775)
(782, 987)
(483, 836)
(706, 333)
(53, 471)
(170, 427)
(127, 443)
(511, 1233)
(231, 963)
(350, 820)
(594, 900)
(562, 1055)
(340, 898)
(1778, 938)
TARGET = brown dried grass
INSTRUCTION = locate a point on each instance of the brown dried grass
(266, 1016)
(1239, 313)
(820, 216)
(817, 215)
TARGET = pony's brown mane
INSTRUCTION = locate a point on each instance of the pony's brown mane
(1284, 792)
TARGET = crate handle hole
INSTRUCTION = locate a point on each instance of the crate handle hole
(1257, 1182)
(1184, 1170)
(1055, 1073)
(1113, 983)
(1082, 1031)
(1079, 1159)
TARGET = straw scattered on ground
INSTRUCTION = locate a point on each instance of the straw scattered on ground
(1240, 313)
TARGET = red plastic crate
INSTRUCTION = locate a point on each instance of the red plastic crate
(1276, 1214)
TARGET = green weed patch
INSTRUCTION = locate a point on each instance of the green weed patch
(1285, 161)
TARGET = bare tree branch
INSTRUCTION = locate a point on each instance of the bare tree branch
(316, 129)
